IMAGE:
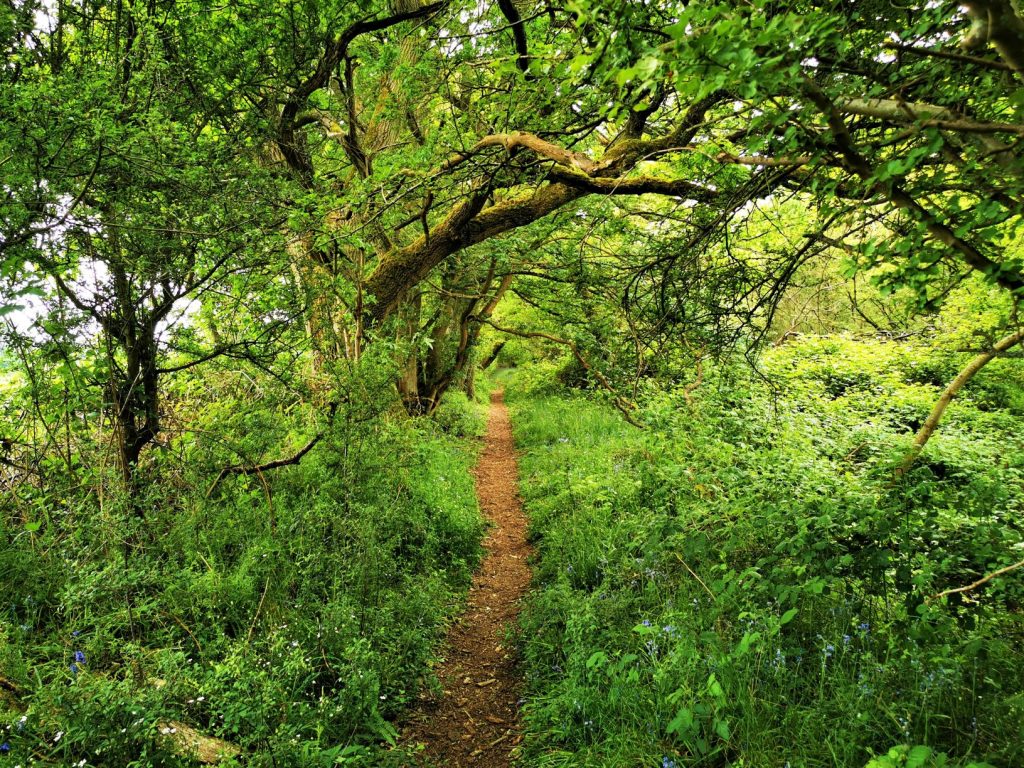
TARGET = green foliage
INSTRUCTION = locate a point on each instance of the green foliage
(459, 417)
(742, 583)
(294, 616)
(229, 233)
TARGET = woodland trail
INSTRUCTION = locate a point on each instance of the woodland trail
(476, 720)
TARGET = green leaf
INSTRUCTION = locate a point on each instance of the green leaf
(682, 722)
(918, 756)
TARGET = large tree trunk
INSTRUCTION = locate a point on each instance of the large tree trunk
(408, 374)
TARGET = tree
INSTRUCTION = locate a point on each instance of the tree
(167, 208)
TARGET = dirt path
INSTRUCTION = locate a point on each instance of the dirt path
(476, 722)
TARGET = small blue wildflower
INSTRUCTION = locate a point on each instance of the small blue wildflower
(80, 657)
(668, 762)
(5, 747)
(846, 639)
(829, 650)
(74, 669)
(864, 626)
(669, 629)
(646, 622)
(76, 633)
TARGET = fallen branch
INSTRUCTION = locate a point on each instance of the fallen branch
(979, 582)
(259, 469)
(187, 741)
(277, 463)
(698, 578)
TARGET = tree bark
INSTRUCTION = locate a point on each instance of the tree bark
(492, 355)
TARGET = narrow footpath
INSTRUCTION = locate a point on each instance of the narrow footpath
(476, 721)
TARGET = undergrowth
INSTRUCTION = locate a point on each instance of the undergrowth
(743, 584)
(293, 615)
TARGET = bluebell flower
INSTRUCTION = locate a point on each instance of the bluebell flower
(80, 657)
(74, 669)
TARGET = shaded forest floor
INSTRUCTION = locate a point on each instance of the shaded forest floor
(475, 721)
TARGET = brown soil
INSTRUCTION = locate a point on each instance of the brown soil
(476, 720)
